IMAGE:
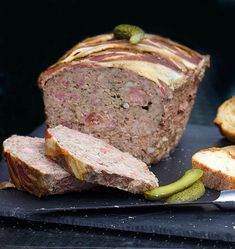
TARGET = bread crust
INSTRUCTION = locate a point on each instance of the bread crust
(223, 120)
(214, 179)
(230, 149)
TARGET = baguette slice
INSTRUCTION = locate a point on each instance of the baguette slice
(93, 160)
(30, 170)
(218, 166)
(230, 149)
(225, 119)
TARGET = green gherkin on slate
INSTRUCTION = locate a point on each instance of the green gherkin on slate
(189, 177)
(194, 192)
(125, 31)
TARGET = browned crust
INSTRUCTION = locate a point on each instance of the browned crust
(223, 123)
(25, 177)
(230, 149)
(85, 172)
(214, 179)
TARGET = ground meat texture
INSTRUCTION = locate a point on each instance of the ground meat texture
(117, 105)
(136, 97)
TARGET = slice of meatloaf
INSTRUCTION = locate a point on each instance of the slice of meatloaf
(136, 97)
(93, 160)
(30, 170)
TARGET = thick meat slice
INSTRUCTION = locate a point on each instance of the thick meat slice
(30, 170)
(136, 97)
(95, 161)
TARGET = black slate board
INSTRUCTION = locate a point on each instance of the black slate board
(199, 222)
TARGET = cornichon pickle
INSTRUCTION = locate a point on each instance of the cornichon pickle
(125, 31)
(190, 194)
(189, 177)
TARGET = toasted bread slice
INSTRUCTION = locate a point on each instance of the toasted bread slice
(230, 149)
(225, 119)
(218, 166)
(93, 160)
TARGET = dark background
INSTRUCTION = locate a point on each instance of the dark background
(34, 34)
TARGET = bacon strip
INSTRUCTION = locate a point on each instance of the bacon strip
(143, 57)
(158, 59)
(191, 57)
(85, 49)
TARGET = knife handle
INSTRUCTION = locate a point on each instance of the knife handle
(226, 199)
(230, 205)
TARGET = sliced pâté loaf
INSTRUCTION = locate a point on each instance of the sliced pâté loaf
(137, 97)
(95, 161)
(218, 166)
(30, 170)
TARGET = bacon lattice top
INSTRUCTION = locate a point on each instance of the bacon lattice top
(164, 62)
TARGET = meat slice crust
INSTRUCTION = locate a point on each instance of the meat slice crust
(30, 170)
(95, 161)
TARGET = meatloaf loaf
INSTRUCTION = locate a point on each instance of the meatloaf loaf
(137, 97)
(30, 170)
(93, 160)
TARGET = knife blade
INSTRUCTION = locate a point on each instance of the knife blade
(226, 200)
